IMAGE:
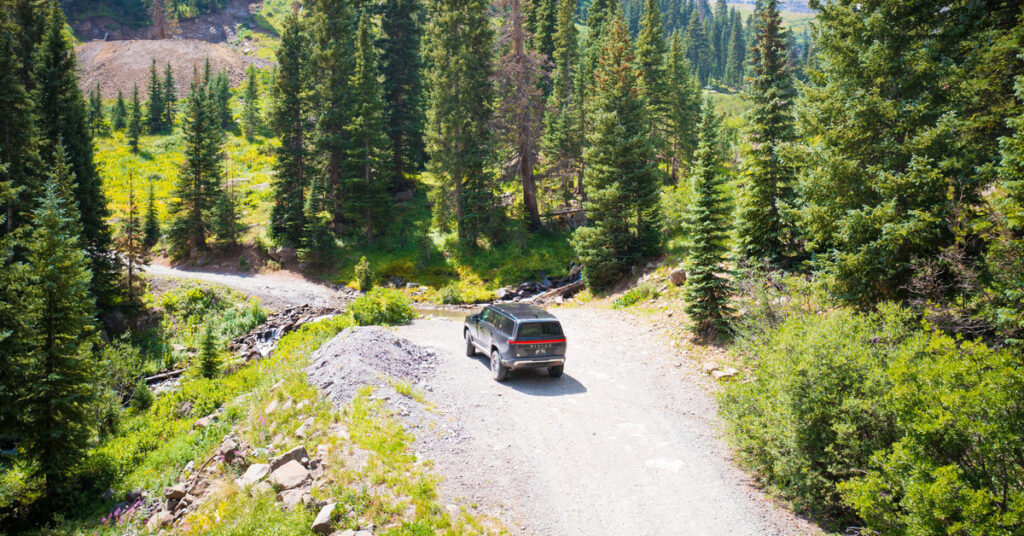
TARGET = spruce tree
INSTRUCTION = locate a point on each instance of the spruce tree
(19, 137)
(220, 99)
(767, 180)
(209, 357)
(97, 119)
(151, 227)
(61, 115)
(135, 120)
(119, 115)
(170, 97)
(200, 175)
(332, 28)
(131, 244)
(650, 64)
(737, 53)
(367, 169)
(720, 26)
(250, 104)
(683, 110)
(698, 49)
(61, 369)
(15, 320)
(288, 119)
(623, 184)
(706, 292)
(542, 23)
(224, 216)
(402, 67)
(156, 111)
(459, 116)
(562, 134)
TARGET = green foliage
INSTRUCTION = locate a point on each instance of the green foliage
(135, 120)
(208, 359)
(862, 418)
(151, 227)
(402, 67)
(450, 294)
(562, 135)
(142, 398)
(250, 104)
(288, 118)
(119, 114)
(156, 111)
(364, 275)
(706, 291)
(636, 295)
(381, 306)
(623, 181)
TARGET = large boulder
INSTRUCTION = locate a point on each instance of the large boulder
(296, 454)
(677, 276)
(255, 473)
(290, 475)
(322, 524)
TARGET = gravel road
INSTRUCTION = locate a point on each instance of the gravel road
(624, 443)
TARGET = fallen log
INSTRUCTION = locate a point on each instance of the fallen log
(163, 376)
(564, 291)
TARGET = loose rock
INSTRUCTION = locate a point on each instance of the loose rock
(295, 454)
(322, 524)
(255, 473)
(290, 475)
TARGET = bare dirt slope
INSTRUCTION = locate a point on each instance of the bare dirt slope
(117, 65)
(626, 442)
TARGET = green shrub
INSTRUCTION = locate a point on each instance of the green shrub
(636, 295)
(861, 418)
(142, 398)
(209, 360)
(381, 306)
(364, 275)
(450, 294)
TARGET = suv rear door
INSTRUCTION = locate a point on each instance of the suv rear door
(540, 337)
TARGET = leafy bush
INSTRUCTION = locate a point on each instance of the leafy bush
(861, 418)
(636, 295)
(381, 306)
(364, 275)
(450, 294)
(142, 398)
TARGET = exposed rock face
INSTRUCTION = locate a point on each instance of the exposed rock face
(290, 475)
(262, 340)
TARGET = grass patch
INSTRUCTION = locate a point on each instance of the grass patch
(635, 295)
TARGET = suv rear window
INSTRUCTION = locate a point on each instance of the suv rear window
(539, 329)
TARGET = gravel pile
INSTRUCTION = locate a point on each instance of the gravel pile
(367, 355)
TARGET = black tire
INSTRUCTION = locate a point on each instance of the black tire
(498, 371)
(470, 348)
(556, 371)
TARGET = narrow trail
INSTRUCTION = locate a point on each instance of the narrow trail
(624, 443)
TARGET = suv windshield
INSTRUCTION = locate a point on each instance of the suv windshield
(539, 329)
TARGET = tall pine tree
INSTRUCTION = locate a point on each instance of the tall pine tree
(288, 119)
(683, 110)
(156, 111)
(135, 120)
(622, 180)
(200, 176)
(460, 43)
(698, 48)
(737, 53)
(767, 180)
(706, 292)
(562, 134)
(250, 104)
(402, 67)
(654, 86)
(151, 227)
(119, 115)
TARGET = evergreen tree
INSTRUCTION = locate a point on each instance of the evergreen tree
(119, 115)
(157, 109)
(57, 409)
(698, 49)
(19, 138)
(653, 86)
(209, 357)
(220, 100)
(131, 244)
(15, 325)
(767, 180)
(720, 26)
(562, 134)
(332, 28)
(224, 216)
(170, 97)
(601, 11)
(97, 120)
(200, 176)
(542, 23)
(403, 84)
(288, 119)
(737, 53)
(151, 227)
(683, 110)
(61, 114)
(520, 108)
(622, 180)
(706, 292)
(135, 120)
(367, 170)
(458, 120)
(251, 102)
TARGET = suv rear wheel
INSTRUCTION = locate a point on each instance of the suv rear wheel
(556, 371)
(498, 371)
(470, 348)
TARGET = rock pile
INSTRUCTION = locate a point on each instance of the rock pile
(367, 355)
(262, 340)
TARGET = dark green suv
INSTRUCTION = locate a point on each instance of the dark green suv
(516, 336)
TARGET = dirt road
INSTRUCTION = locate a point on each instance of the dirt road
(626, 442)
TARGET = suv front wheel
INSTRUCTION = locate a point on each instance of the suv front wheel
(498, 371)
